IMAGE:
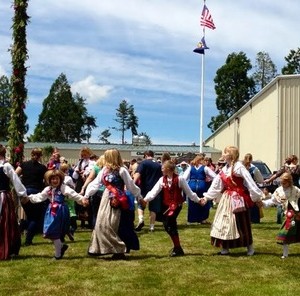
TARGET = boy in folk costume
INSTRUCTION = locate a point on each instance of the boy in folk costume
(172, 186)
(287, 195)
(236, 192)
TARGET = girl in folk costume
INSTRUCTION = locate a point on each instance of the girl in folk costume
(196, 175)
(57, 217)
(10, 236)
(236, 191)
(172, 186)
(287, 195)
(114, 229)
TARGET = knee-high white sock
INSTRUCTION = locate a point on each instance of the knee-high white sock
(285, 250)
(58, 245)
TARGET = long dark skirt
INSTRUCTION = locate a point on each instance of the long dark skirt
(10, 236)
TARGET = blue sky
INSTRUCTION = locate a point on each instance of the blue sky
(142, 51)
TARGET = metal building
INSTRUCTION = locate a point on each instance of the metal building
(268, 126)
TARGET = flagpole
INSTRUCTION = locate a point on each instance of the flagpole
(201, 103)
(206, 21)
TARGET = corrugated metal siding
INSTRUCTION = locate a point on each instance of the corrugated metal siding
(290, 118)
(268, 125)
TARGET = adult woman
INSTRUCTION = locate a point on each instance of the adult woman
(10, 236)
(32, 175)
(114, 229)
(233, 186)
(196, 175)
(255, 211)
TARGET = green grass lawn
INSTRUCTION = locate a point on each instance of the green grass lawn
(151, 271)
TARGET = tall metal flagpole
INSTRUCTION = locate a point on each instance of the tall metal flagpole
(206, 21)
(201, 102)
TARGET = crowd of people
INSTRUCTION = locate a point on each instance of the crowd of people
(106, 192)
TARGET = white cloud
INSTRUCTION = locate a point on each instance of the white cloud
(90, 90)
(142, 50)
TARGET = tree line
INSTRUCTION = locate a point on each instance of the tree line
(64, 116)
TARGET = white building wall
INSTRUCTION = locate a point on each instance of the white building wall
(268, 126)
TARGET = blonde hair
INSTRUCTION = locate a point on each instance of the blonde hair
(169, 165)
(113, 159)
(54, 173)
(198, 159)
(287, 178)
(100, 161)
(64, 167)
(234, 155)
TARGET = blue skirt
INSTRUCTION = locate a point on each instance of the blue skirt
(57, 221)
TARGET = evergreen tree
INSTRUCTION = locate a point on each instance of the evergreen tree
(293, 63)
(126, 119)
(133, 121)
(265, 70)
(5, 105)
(233, 87)
(104, 136)
(147, 138)
(64, 117)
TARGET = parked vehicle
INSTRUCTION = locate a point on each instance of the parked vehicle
(266, 173)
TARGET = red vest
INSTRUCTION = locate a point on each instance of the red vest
(172, 194)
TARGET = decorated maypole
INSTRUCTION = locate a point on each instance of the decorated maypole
(17, 125)
(205, 21)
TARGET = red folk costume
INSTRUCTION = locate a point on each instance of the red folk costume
(172, 204)
(236, 191)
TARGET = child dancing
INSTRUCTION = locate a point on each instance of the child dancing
(57, 217)
(287, 195)
(172, 186)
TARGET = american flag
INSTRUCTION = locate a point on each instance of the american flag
(206, 19)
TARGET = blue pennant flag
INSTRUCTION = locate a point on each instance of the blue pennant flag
(201, 46)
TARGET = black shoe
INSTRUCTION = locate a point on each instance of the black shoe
(118, 256)
(64, 248)
(27, 243)
(70, 236)
(177, 251)
(140, 226)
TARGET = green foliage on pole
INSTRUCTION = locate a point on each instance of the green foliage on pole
(17, 126)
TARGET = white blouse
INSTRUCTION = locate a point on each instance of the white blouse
(216, 189)
(94, 186)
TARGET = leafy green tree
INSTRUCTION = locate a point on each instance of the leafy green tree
(293, 63)
(104, 136)
(64, 117)
(126, 119)
(5, 105)
(265, 70)
(233, 87)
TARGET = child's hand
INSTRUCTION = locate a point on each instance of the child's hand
(24, 200)
(85, 202)
(142, 202)
(203, 201)
(260, 204)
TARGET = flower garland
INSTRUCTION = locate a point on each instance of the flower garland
(17, 126)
